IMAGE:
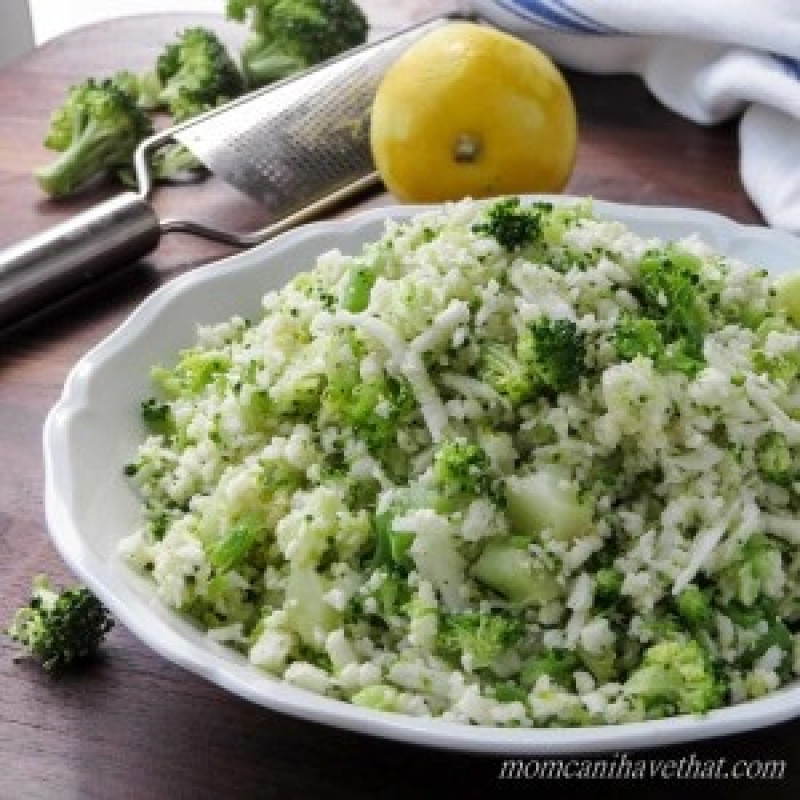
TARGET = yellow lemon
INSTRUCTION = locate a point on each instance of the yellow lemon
(469, 111)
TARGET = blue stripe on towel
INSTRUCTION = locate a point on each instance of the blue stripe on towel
(791, 65)
(540, 12)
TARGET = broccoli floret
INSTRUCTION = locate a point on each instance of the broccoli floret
(771, 629)
(392, 546)
(506, 373)
(60, 627)
(196, 74)
(774, 459)
(673, 295)
(292, 35)
(477, 640)
(144, 89)
(757, 571)
(513, 225)
(372, 408)
(554, 352)
(231, 550)
(669, 286)
(784, 368)
(95, 131)
(559, 665)
(682, 355)
(461, 468)
(675, 676)
(638, 337)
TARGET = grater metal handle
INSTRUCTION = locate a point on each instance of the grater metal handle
(47, 267)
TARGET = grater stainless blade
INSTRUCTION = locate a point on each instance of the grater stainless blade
(300, 147)
(299, 141)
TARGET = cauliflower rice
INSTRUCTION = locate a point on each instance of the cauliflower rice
(510, 465)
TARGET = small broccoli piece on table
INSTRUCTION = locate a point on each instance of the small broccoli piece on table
(95, 131)
(675, 676)
(461, 468)
(477, 640)
(144, 89)
(59, 628)
(291, 35)
(513, 225)
(674, 296)
(554, 351)
(196, 74)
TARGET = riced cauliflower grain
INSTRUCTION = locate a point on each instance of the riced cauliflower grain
(509, 465)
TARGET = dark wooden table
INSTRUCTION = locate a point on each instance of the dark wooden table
(134, 725)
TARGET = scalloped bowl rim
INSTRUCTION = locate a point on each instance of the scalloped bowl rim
(170, 636)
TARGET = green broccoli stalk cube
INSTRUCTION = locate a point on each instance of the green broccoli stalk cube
(544, 500)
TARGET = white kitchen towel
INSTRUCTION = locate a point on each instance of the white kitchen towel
(709, 60)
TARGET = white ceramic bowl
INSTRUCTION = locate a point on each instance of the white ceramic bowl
(94, 429)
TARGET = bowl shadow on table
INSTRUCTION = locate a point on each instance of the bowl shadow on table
(185, 737)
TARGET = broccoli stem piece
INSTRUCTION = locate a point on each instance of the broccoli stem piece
(675, 676)
(60, 627)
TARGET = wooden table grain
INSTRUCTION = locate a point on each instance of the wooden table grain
(134, 725)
